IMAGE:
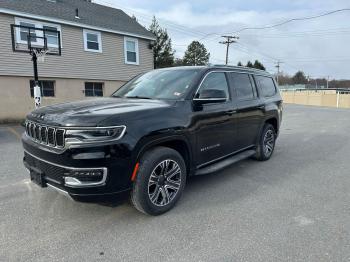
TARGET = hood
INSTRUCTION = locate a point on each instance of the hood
(92, 112)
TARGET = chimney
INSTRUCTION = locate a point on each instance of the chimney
(77, 13)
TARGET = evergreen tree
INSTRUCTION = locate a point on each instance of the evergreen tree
(239, 63)
(163, 53)
(299, 78)
(178, 62)
(196, 54)
(250, 64)
(259, 65)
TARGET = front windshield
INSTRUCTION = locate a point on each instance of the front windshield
(159, 84)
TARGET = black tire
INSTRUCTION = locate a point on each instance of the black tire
(154, 191)
(266, 143)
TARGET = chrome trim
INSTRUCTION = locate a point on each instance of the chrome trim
(210, 99)
(234, 70)
(64, 137)
(61, 191)
(53, 136)
(102, 182)
(95, 142)
(222, 157)
(206, 75)
(66, 143)
(35, 136)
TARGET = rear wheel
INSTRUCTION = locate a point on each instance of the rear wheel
(266, 143)
(160, 181)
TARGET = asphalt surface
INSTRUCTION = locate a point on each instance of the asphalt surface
(295, 207)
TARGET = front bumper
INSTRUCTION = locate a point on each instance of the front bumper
(111, 166)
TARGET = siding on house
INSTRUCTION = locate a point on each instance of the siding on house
(75, 62)
(16, 102)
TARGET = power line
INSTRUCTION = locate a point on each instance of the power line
(292, 20)
(229, 40)
(192, 32)
(281, 23)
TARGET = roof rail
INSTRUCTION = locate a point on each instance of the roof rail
(240, 67)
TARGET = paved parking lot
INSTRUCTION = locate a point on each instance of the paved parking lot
(295, 207)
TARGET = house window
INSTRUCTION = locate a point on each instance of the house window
(47, 88)
(22, 33)
(131, 49)
(51, 36)
(93, 89)
(92, 41)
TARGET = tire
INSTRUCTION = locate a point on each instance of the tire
(266, 143)
(160, 181)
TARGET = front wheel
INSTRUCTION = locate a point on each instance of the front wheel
(266, 143)
(160, 181)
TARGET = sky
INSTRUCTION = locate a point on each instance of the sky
(319, 47)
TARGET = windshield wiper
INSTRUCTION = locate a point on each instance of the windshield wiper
(139, 97)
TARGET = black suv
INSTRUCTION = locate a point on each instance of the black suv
(152, 133)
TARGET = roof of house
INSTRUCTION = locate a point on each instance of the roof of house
(91, 15)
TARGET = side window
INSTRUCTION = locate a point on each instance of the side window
(131, 49)
(92, 41)
(47, 88)
(266, 85)
(93, 89)
(24, 32)
(216, 81)
(243, 86)
(51, 35)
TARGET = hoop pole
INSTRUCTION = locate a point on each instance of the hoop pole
(37, 91)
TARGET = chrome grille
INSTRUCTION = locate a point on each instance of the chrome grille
(51, 136)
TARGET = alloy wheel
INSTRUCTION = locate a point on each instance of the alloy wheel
(269, 142)
(164, 182)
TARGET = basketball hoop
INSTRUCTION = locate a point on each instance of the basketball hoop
(37, 47)
(40, 54)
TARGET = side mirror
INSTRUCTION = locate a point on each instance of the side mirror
(207, 96)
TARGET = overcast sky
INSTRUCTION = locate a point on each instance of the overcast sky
(320, 47)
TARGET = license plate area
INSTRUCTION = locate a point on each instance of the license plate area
(37, 177)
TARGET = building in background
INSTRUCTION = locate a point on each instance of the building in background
(102, 48)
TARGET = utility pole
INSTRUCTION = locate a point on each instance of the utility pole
(229, 40)
(327, 82)
(278, 66)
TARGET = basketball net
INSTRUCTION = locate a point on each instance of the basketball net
(40, 54)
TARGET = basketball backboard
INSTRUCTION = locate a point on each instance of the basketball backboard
(28, 39)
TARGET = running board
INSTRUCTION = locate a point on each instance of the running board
(224, 163)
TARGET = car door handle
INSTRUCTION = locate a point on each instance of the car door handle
(231, 112)
(261, 107)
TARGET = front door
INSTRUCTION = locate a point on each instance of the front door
(214, 124)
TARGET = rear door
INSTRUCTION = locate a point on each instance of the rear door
(249, 107)
(214, 123)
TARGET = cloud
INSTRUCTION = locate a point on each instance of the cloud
(319, 47)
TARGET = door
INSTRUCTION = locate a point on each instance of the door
(213, 123)
(250, 109)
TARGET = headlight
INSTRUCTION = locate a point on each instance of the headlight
(94, 135)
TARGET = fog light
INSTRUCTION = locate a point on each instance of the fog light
(71, 181)
(85, 173)
(85, 177)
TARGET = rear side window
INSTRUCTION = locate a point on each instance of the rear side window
(243, 86)
(266, 85)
